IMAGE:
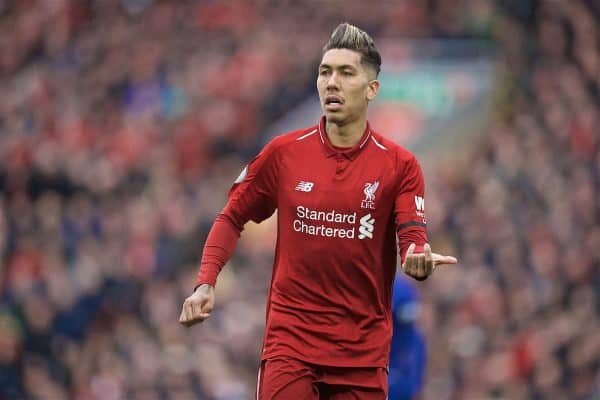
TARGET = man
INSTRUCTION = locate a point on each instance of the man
(408, 352)
(343, 193)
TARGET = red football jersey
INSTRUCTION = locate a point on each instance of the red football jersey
(339, 211)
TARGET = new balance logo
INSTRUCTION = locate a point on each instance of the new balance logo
(367, 225)
(303, 186)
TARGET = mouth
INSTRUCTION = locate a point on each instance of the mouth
(333, 102)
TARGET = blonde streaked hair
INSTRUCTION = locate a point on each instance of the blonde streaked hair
(347, 36)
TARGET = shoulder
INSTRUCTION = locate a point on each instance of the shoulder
(286, 140)
(401, 157)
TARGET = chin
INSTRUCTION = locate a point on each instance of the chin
(334, 118)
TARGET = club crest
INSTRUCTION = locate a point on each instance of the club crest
(369, 190)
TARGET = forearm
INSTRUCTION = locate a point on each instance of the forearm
(219, 247)
(416, 235)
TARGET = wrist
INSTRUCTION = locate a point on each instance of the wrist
(203, 286)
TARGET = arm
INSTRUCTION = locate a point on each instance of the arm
(418, 261)
(219, 247)
(252, 197)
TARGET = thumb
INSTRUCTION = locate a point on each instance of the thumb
(205, 306)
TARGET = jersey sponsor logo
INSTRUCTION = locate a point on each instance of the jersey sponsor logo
(242, 175)
(327, 216)
(367, 225)
(369, 191)
(332, 224)
(306, 217)
(420, 204)
(304, 186)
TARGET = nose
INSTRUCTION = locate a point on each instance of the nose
(332, 82)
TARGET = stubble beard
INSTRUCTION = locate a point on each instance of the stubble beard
(336, 119)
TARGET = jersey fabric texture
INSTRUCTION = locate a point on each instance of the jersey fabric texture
(339, 214)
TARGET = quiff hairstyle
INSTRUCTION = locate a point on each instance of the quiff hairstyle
(350, 37)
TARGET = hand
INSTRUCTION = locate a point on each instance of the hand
(198, 306)
(421, 265)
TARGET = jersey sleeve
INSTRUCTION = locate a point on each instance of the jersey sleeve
(253, 196)
(409, 208)
(218, 248)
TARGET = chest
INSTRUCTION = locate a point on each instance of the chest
(337, 183)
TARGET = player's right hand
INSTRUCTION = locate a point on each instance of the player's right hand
(198, 306)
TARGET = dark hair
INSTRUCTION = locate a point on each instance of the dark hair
(347, 36)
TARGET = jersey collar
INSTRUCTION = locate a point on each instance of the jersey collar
(350, 153)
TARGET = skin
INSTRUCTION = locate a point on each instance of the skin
(420, 265)
(344, 77)
(198, 307)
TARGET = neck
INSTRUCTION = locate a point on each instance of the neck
(346, 135)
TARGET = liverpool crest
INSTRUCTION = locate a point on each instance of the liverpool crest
(369, 191)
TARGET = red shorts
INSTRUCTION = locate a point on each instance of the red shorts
(284, 378)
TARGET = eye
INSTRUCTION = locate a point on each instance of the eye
(323, 72)
(348, 72)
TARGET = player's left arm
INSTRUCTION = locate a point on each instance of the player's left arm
(418, 260)
(421, 265)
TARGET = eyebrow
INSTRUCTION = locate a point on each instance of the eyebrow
(343, 66)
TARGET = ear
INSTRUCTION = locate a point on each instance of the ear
(372, 89)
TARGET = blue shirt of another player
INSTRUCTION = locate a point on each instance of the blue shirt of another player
(408, 352)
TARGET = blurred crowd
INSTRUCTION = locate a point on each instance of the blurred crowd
(123, 124)
(518, 319)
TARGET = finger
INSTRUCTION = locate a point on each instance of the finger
(206, 305)
(189, 311)
(428, 266)
(185, 318)
(202, 308)
(187, 324)
(439, 259)
(427, 251)
(416, 267)
(409, 252)
(201, 314)
(422, 266)
(414, 263)
(197, 319)
(405, 265)
(428, 259)
(409, 264)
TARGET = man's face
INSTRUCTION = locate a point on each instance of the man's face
(345, 86)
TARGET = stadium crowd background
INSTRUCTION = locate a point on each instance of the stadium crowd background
(123, 124)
